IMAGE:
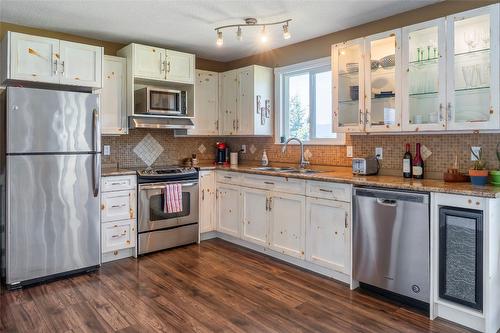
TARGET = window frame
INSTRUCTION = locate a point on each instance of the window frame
(280, 74)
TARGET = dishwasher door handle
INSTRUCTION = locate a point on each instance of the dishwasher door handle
(387, 202)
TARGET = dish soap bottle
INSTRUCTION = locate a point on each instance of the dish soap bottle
(264, 160)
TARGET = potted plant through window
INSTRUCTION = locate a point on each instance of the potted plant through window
(478, 173)
(495, 174)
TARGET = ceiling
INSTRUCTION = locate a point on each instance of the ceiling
(189, 25)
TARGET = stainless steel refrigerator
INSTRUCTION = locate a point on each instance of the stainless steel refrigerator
(52, 225)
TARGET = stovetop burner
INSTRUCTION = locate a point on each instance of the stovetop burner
(171, 173)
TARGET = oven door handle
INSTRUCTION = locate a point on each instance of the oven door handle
(161, 187)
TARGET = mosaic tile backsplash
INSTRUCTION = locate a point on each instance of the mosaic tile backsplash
(444, 147)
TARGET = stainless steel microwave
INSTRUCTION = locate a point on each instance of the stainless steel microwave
(158, 101)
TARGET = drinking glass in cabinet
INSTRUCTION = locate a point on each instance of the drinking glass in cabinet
(472, 69)
(423, 74)
(383, 81)
(348, 85)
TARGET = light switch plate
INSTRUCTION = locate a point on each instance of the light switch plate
(379, 153)
(243, 149)
(107, 150)
(349, 151)
(476, 151)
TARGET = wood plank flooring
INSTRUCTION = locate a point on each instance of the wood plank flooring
(212, 287)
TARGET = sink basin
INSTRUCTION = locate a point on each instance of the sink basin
(287, 170)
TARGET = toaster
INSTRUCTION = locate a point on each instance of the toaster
(365, 166)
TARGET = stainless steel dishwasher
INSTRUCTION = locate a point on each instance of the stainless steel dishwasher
(391, 241)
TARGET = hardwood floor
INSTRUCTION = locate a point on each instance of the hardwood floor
(212, 287)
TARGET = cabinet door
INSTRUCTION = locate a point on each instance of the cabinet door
(149, 62)
(382, 62)
(113, 96)
(33, 58)
(228, 102)
(206, 121)
(118, 205)
(328, 235)
(207, 201)
(228, 210)
(245, 112)
(473, 69)
(348, 86)
(179, 66)
(255, 215)
(424, 76)
(81, 64)
(287, 224)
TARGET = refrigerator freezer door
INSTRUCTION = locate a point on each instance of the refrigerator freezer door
(53, 217)
(51, 121)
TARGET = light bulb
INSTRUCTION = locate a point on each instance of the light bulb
(286, 33)
(238, 34)
(220, 41)
(263, 35)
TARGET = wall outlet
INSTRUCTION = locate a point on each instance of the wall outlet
(107, 150)
(349, 151)
(379, 153)
(243, 149)
(476, 151)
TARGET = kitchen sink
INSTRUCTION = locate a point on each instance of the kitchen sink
(287, 170)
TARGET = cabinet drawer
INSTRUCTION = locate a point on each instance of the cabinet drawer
(281, 184)
(119, 205)
(331, 191)
(118, 235)
(118, 183)
(228, 177)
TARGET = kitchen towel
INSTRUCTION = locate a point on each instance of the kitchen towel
(172, 198)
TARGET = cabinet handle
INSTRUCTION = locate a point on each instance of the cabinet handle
(55, 67)
(237, 124)
(162, 64)
(360, 117)
(117, 206)
(217, 124)
(270, 204)
(168, 66)
(366, 116)
(441, 117)
(228, 177)
(345, 220)
(234, 124)
(62, 67)
(203, 194)
(269, 183)
(328, 191)
(267, 204)
(449, 111)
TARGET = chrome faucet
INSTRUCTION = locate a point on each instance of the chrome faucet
(303, 163)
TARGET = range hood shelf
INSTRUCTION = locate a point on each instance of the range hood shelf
(161, 122)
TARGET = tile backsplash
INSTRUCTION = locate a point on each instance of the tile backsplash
(444, 147)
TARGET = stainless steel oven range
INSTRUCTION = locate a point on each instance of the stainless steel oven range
(157, 229)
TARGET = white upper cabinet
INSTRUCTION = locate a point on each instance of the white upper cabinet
(148, 62)
(40, 59)
(246, 101)
(348, 86)
(433, 76)
(155, 63)
(382, 64)
(206, 121)
(81, 64)
(473, 69)
(424, 70)
(113, 96)
(179, 67)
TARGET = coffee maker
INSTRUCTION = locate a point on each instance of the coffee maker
(222, 155)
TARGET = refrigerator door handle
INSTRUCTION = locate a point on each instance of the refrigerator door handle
(96, 173)
(96, 130)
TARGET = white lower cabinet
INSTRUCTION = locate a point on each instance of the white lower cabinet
(287, 224)
(328, 233)
(255, 206)
(207, 215)
(118, 217)
(228, 209)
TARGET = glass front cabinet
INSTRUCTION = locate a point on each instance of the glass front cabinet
(433, 76)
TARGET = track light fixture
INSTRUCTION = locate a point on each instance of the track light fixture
(252, 22)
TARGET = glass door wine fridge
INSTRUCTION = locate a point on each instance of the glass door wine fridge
(461, 256)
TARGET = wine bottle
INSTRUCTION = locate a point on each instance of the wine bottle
(418, 164)
(407, 163)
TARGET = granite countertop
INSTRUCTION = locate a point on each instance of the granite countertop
(344, 175)
(114, 171)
